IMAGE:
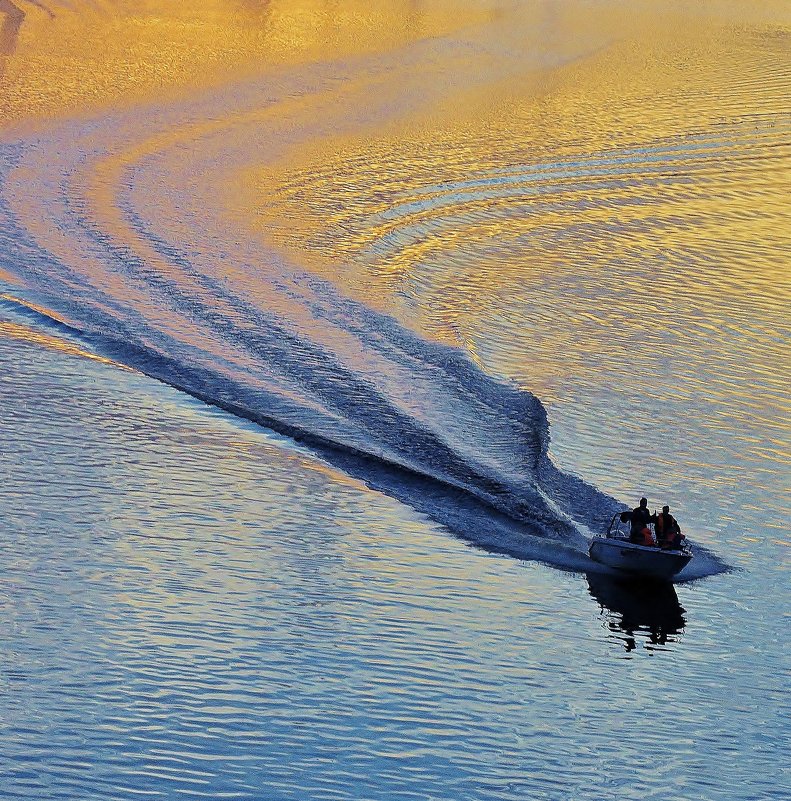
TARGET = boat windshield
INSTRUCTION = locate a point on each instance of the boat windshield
(620, 526)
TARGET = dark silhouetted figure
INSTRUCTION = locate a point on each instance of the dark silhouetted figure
(668, 532)
(641, 518)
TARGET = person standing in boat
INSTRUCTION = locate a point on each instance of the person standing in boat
(668, 532)
(641, 518)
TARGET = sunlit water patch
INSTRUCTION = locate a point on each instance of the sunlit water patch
(157, 280)
(624, 258)
(444, 254)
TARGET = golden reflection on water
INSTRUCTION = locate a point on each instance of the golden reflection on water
(636, 93)
(668, 145)
(557, 189)
(59, 56)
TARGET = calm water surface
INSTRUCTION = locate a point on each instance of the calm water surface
(489, 274)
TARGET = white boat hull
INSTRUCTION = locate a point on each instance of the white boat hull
(638, 559)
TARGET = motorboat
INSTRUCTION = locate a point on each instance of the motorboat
(614, 549)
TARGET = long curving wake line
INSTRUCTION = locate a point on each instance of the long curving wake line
(120, 225)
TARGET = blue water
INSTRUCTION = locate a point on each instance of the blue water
(194, 607)
(277, 531)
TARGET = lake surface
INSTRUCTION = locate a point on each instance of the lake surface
(329, 333)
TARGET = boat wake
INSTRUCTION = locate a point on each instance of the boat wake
(119, 226)
(509, 498)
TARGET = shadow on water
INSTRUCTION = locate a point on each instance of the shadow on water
(634, 610)
(11, 19)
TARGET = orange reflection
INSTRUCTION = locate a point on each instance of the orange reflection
(644, 152)
(519, 189)
(58, 57)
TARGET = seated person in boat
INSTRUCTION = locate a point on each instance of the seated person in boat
(641, 519)
(668, 532)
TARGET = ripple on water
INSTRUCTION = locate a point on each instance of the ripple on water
(591, 236)
(194, 608)
(247, 621)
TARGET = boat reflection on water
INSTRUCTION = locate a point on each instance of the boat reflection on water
(635, 609)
